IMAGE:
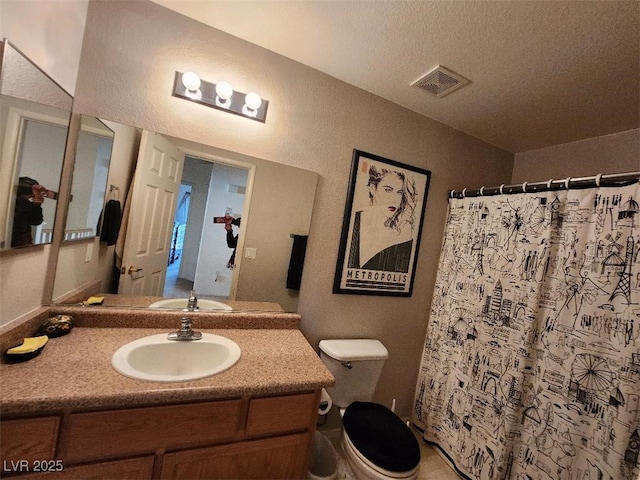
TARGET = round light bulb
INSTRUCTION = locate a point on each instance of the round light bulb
(224, 90)
(191, 81)
(252, 100)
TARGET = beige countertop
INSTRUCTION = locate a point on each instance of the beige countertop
(74, 372)
(136, 301)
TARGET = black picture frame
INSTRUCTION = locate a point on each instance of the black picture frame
(381, 227)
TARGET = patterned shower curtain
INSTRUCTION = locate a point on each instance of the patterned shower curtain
(531, 365)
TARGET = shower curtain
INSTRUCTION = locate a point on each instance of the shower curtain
(531, 365)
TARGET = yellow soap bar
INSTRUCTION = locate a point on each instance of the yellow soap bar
(29, 345)
(93, 301)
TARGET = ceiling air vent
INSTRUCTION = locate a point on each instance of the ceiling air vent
(440, 81)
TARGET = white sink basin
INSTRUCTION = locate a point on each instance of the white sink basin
(181, 303)
(154, 358)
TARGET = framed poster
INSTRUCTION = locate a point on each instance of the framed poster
(382, 226)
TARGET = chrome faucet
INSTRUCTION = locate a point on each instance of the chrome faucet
(192, 303)
(185, 332)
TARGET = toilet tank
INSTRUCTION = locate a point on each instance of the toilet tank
(356, 365)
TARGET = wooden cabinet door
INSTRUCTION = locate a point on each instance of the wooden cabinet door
(285, 414)
(27, 440)
(272, 458)
(118, 433)
(130, 469)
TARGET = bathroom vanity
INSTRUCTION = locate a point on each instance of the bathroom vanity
(68, 414)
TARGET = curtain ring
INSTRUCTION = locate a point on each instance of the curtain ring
(549, 183)
(482, 191)
(566, 182)
(464, 192)
(524, 187)
(501, 189)
(598, 178)
(451, 193)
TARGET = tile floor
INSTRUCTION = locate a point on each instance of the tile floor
(432, 465)
(177, 287)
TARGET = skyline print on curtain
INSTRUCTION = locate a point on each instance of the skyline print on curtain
(531, 365)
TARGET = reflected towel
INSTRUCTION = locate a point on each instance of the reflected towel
(119, 250)
(298, 250)
(109, 223)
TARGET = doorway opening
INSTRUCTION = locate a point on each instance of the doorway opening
(213, 191)
(174, 285)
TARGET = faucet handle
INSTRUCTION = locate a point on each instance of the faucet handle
(192, 303)
(185, 332)
(185, 324)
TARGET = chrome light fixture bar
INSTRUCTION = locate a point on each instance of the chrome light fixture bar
(221, 96)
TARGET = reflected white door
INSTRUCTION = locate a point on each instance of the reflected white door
(153, 203)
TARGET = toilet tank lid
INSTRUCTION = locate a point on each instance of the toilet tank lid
(347, 350)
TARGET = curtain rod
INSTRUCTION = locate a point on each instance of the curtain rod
(611, 180)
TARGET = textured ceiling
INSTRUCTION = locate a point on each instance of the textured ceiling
(542, 72)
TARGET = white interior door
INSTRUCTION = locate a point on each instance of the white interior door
(153, 202)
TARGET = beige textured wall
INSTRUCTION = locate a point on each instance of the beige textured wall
(49, 32)
(22, 278)
(615, 153)
(130, 53)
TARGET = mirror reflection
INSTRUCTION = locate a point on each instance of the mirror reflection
(194, 218)
(90, 174)
(37, 178)
(208, 189)
(34, 121)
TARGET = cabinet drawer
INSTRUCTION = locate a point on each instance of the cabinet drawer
(281, 414)
(269, 458)
(29, 439)
(96, 435)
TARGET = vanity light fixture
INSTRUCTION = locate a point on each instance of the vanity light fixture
(221, 96)
(191, 82)
(224, 92)
(252, 103)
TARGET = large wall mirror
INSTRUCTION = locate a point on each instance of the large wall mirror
(34, 123)
(217, 222)
(229, 228)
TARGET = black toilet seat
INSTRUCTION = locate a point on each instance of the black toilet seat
(381, 436)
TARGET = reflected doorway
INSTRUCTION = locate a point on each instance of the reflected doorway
(201, 259)
(174, 285)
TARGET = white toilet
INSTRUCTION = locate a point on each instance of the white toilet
(375, 441)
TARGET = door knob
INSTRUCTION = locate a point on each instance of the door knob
(133, 270)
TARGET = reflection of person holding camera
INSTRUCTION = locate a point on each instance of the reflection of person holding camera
(28, 210)
(232, 240)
